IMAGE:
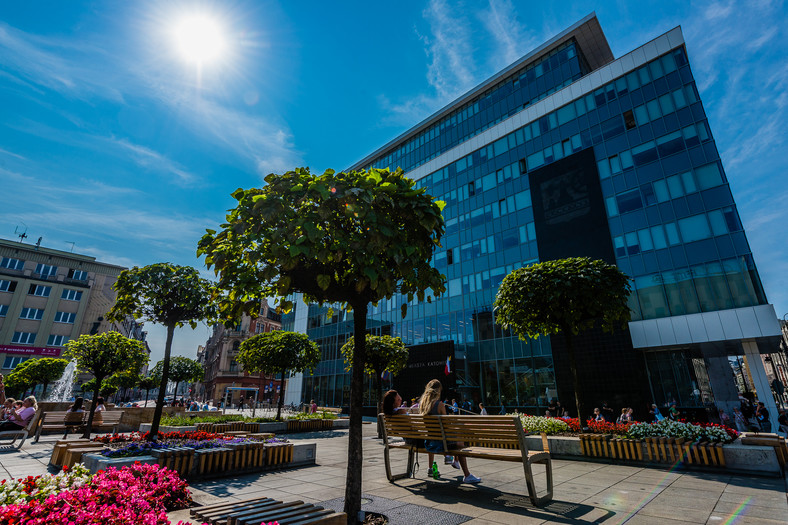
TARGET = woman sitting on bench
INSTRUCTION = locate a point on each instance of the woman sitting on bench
(19, 418)
(73, 418)
(430, 404)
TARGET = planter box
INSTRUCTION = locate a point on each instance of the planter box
(145, 427)
(273, 428)
(231, 460)
(341, 423)
(96, 462)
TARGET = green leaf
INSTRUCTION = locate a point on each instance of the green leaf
(323, 281)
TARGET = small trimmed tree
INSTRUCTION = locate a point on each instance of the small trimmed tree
(44, 370)
(349, 238)
(384, 354)
(18, 381)
(102, 355)
(146, 383)
(165, 294)
(278, 352)
(181, 369)
(566, 296)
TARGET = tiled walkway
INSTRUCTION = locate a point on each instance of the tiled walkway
(585, 492)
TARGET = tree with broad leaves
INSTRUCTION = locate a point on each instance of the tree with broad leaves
(102, 355)
(18, 381)
(384, 354)
(44, 370)
(147, 383)
(566, 296)
(349, 238)
(278, 352)
(123, 381)
(165, 294)
(181, 369)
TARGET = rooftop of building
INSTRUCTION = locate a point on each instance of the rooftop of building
(16, 248)
(589, 36)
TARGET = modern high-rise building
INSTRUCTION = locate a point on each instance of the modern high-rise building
(573, 152)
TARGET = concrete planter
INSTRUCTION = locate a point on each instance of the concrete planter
(96, 462)
(341, 423)
(302, 454)
(273, 428)
(145, 427)
(749, 459)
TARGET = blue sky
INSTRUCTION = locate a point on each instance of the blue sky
(112, 140)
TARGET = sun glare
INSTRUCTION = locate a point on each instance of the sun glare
(199, 39)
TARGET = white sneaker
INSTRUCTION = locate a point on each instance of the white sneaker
(456, 464)
(470, 478)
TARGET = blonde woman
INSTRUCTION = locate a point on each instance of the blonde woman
(430, 404)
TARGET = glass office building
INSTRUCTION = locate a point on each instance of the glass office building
(572, 152)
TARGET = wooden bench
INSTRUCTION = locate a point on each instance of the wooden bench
(498, 438)
(55, 421)
(265, 510)
(23, 432)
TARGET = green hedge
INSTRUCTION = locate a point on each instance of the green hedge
(186, 420)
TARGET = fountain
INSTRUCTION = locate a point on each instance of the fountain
(61, 391)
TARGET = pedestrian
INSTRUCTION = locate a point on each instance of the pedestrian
(623, 419)
(597, 415)
(7, 407)
(762, 415)
(739, 420)
(782, 421)
(313, 407)
(100, 407)
(607, 413)
(655, 413)
(430, 404)
(673, 412)
(73, 417)
(392, 404)
(725, 419)
(482, 410)
(552, 408)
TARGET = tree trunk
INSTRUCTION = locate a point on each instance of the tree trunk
(165, 371)
(354, 446)
(44, 390)
(146, 398)
(281, 397)
(570, 346)
(175, 393)
(379, 403)
(89, 426)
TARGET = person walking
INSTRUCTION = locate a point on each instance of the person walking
(482, 410)
(430, 404)
(762, 415)
(739, 420)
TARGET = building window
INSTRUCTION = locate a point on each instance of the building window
(32, 313)
(71, 295)
(46, 270)
(11, 361)
(233, 366)
(3, 310)
(7, 286)
(629, 119)
(65, 317)
(39, 290)
(77, 275)
(57, 340)
(24, 338)
(12, 264)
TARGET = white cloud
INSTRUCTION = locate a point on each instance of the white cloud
(449, 50)
(152, 160)
(512, 38)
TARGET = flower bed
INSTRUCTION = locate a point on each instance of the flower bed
(140, 494)
(136, 444)
(186, 420)
(666, 428)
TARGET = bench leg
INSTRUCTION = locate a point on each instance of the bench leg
(529, 481)
(387, 460)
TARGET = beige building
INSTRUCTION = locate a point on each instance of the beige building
(222, 370)
(48, 297)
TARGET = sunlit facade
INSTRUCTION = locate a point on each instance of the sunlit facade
(571, 152)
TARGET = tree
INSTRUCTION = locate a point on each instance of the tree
(102, 355)
(278, 352)
(107, 389)
(181, 369)
(123, 380)
(44, 370)
(146, 384)
(88, 386)
(338, 238)
(384, 353)
(567, 296)
(18, 381)
(165, 294)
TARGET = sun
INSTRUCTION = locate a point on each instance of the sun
(199, 39)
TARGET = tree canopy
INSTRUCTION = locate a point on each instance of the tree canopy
(181, 369)
(351, 238)
(166, 294)
(564, 295)
(44, 370)
(278, 352)
(105, 354)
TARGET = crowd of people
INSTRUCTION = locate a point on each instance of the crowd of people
(15, 414)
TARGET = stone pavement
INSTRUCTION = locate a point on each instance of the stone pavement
(585, 492)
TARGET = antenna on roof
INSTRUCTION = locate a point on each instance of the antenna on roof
(72, 243)
(38, 242)
(19, 232)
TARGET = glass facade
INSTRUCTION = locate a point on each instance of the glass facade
(671, 216)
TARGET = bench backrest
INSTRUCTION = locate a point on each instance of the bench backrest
(484, 431)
